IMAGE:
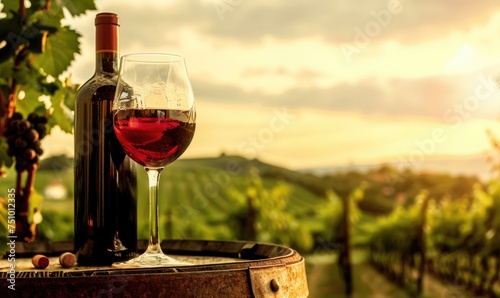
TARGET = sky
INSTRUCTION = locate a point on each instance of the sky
(316, 83)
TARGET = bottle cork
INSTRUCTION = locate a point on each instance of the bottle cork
(67, 260)
(40, 261)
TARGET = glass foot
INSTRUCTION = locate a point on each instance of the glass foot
(151, 260)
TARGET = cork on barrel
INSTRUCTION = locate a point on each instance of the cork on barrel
(40, 261)
(67, 260)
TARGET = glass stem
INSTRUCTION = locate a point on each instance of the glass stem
(154, 184)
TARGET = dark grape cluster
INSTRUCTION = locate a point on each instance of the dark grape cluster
(23, 137)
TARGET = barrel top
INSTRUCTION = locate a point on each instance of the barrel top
(220, 269)
(202, 254)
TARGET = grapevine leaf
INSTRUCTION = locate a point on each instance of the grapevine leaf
(60, 115)
(69, 99)
(6, 71)
(47, 20)
(77, 8)
(31, 100)
(34, 81)
(11, 34)
(10, 25)
(9, 7)
(6, 53)
(26, 105)
(5, 159)
(27, 76)
(60, 50)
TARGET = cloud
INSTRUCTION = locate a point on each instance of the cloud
(428, 97)
(251, 21)
(301, 76)
(333, 21)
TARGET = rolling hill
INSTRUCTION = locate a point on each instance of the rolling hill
(208, 198)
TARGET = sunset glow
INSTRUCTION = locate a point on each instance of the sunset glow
(358, 84)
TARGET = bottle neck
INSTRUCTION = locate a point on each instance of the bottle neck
(106, 42)
(106, 62)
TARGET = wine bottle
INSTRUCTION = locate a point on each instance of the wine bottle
(105, 190)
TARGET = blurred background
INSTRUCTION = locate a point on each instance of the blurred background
(362, 134)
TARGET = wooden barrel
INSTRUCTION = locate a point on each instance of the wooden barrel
(220, 269)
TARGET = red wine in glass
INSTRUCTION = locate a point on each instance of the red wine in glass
(154, 137)
(154, 121)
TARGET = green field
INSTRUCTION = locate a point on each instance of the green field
(206, 198)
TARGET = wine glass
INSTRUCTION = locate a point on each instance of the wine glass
(154, 119)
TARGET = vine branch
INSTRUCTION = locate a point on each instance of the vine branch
(22, 8)
(47, 5)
